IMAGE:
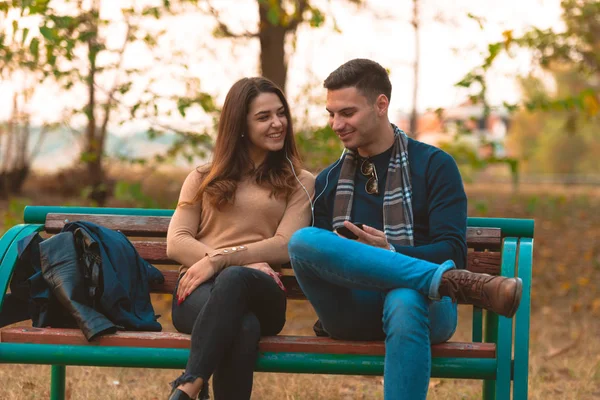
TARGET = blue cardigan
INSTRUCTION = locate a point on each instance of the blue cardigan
(438, 199)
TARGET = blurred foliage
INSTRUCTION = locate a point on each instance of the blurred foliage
(132, 192)
(318, 148)
(13, 214)
(554, 131)
(68, 43)
(470, 162)
(279, 21)
(577, 47)
(555, 141)
(20, 65)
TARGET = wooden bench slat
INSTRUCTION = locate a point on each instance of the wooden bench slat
(301, 344)
(485, 262)
(477, 262)
(153, 252)
(157, 226)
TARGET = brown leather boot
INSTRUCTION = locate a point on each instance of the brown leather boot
(494, 293)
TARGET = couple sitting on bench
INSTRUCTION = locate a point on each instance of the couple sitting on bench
(248, 212)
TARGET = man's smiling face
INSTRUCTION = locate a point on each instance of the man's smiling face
(353, 117)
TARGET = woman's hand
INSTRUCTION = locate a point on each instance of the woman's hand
(196, 275)
(266, 268)
(367, 235)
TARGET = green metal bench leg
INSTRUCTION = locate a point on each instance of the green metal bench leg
(505, 327)
(499, 330)
(521, 374)
(491, 336)
(57, 383)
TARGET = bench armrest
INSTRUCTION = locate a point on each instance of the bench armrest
(9, 253)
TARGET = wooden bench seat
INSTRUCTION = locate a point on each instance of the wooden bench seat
(496, 246)
(293, 344)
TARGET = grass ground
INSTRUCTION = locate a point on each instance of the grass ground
(565, 350)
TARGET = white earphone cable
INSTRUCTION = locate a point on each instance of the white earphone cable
(312, 203)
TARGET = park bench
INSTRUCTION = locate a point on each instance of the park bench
(494, 355)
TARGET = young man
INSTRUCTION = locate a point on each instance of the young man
(401, 277)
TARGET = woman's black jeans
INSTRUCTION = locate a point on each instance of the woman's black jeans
(226, 317)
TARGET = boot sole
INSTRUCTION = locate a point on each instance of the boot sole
(517, 299)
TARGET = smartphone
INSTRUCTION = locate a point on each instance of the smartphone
(347, 233)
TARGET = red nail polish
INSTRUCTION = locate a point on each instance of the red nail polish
(179, 301)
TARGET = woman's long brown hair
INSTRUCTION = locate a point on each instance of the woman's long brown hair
(231, 157)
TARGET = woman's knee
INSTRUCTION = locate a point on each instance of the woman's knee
(233, 276)
(185, 314)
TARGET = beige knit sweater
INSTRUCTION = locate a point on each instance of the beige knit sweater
(255, 228)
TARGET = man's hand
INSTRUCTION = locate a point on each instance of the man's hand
(196, 275)
(266, 268)
(368, 235)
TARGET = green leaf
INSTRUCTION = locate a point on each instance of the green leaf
(207, 102)
(273, 15)
(24, 36)
(182, 105)
(134, 109)
(317, 18)
(510, 107)
(86, 36)
(87, 157)
(467, 81)
(38, 7)
(50, 57)
(34, 48)
(153, 11)
(124, 88)
(493, 49)
(479, 20)
(49, 33)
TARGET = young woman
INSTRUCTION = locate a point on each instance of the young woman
(230, 232)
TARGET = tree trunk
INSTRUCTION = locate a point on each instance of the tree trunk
(94, 146)
(272, 49)
(413, 114)
(15, 169)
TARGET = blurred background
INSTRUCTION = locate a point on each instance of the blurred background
(112, 102)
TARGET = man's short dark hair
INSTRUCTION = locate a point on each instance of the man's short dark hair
(367, 76)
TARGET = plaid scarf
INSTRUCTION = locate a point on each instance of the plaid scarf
(397, 199)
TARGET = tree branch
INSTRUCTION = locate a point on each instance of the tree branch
(223, 30)
(297, 18)
(111, 100)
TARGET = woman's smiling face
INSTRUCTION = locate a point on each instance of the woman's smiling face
(267, 126)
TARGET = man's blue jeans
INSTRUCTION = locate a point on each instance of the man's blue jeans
(361, 292)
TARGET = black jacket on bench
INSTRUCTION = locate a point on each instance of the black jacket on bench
(87, 276)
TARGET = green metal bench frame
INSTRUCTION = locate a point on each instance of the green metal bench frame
(497, 374)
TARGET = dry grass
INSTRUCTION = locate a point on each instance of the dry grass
(565, 351)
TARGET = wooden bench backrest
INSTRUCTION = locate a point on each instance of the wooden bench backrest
(148, 236)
